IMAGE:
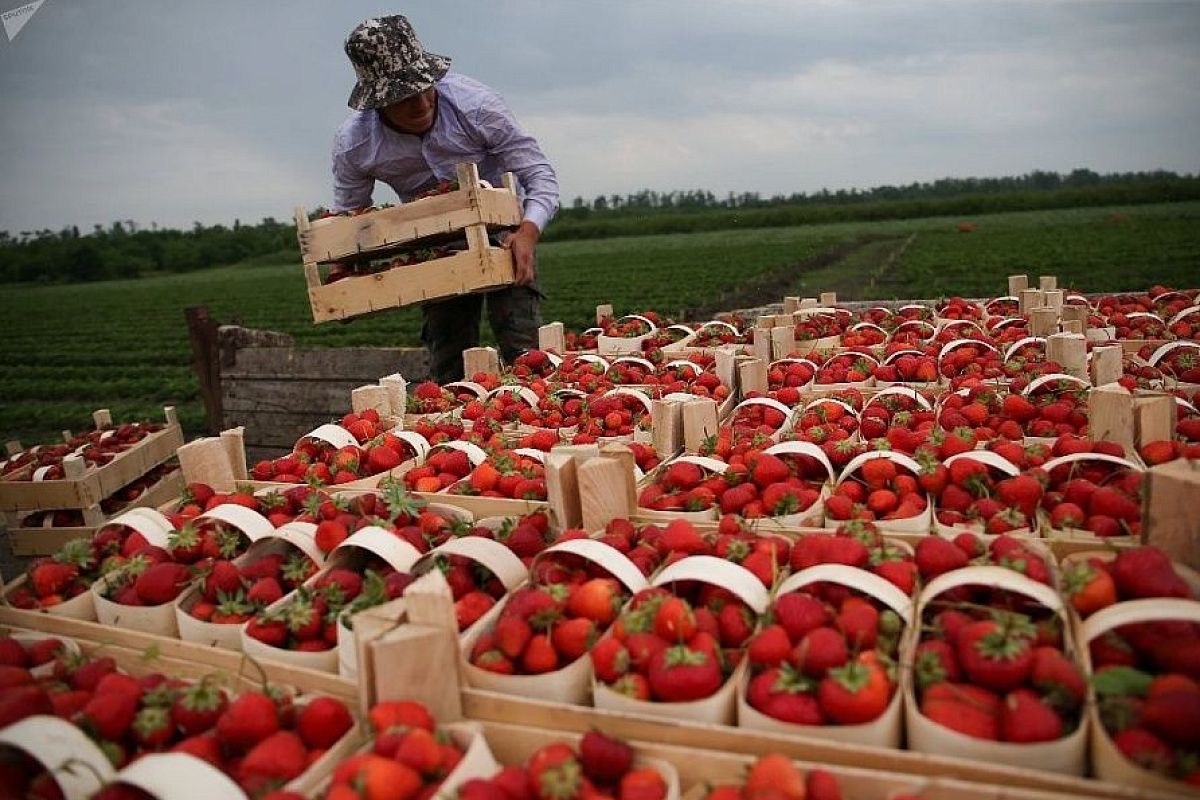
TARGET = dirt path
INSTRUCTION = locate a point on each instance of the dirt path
(865, 261)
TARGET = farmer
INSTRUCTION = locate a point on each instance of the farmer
(413, 122)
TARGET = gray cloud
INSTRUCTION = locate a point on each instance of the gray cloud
(224, 109)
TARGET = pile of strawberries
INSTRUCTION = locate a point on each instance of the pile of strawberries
(307, 621)
(857, 544)
(1134, 574)
(878, 490)
(935, 555)
(97, 448)
(543, 628)
(409, 757)
(319, 463)
(667, 648)
(261, 739)
(1095, 496)
(776, 777)
(996, 670)
(607, 415)
(980, 496)
(828, 657)
(599, 766)
(230, 593)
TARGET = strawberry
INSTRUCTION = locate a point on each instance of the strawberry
(277, 758)
(935, 556)
(680, 674)
(322, 722)
(798, 613)
(770, 647)
(855, 693)
(419, 750)
(1144, 572)
(1174, 716)
(935, 662)
(643, 783)
(820, 650)
(573, 638)
(858, 620)
(1145, 749)
(248, 720)
(197, 708)
(50, 577)
(152, 727)
(675, 621)
(19, 702)
(774, 776)
(111, 711)
(610, 659)
(604, 759)
(997, 653)
(598, 599)
(1025, 718)
(967, 709)
(512, 635)
(161, 583)
(540, 656)
(785, 694)
(822, 785)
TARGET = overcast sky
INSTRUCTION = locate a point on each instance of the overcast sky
(220, 109)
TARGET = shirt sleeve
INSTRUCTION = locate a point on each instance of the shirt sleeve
(352, 188)
(520, 154)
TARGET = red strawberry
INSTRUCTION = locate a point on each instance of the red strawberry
(1145, 749)
(855, 693)
(674, 621)
(277, 758)
(680, 674)
(858, 621)
(997, 655)
(610, 659)
(111, 710)
(770, 647)
(798, 613)
(322, 722)
(1025, 718)
(19, 702)
(964, 708)
(935, 662)
(540, 656)
(512, 635)
(161, 583)
(935, 556)
(197, 708)
(1058, 679)
(787, 695)
(1146, 572)
(820, 650)
(604, 759)
(248, 720)
(821, 784)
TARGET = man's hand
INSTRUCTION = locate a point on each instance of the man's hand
(523, 244)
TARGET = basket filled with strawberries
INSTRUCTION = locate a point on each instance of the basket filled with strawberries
(33, 750)
(622, 336)
(984, 493)
(1145, 714)
(994, 675)
(141, 593)
(1092, 495)
(230, 592)
(60, 584)
(497, 483)
(880, 486)
(826, 666)
(535, 642)
(301, 627)
(676, 648)
(480, 570)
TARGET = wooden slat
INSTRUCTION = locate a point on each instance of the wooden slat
(318, 397)
(463, 273)
(358, 364)
(495, 707)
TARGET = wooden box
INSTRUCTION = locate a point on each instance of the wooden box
(90, 486)
(467, 212)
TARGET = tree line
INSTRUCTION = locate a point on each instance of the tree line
(125, 250)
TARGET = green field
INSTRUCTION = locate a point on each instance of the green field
(123, 344)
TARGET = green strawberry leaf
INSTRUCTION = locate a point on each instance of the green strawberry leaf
(1122, 681)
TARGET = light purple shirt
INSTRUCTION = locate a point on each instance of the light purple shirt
(473, 124)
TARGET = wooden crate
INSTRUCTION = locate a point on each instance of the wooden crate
(378, 234)
(32, 541)
(86, 489)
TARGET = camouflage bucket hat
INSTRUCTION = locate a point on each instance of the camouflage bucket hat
(390, 63)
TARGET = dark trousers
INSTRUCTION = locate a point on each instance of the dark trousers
(451, 326)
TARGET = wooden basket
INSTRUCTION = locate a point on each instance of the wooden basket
(468, 211)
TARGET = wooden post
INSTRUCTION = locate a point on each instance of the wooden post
(552, 336)
(1154, 417)
(1070, 350)
(1053, 298)
(233, 440)
(1030, 299)
(808, 302)
(397, 389)
(1074, 311)
(1071, 326)
(1169, 518)
(761, 346)
(699, 422)
(73, 467)
(1110, 415)
(1106, 364)
(480, 359)
(604, 492)
(783, 340)
(624, 456)
(206, 461)
(373, 396)
(202, 333)
(13, 447)
(666, 427)
(1043, 321)
(752, 376)
(725, 365)
(828, 299)
(791, 305)
(1047, 282)
(102, 418)
(562, 489)
(603, 312)
(1017, 284)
